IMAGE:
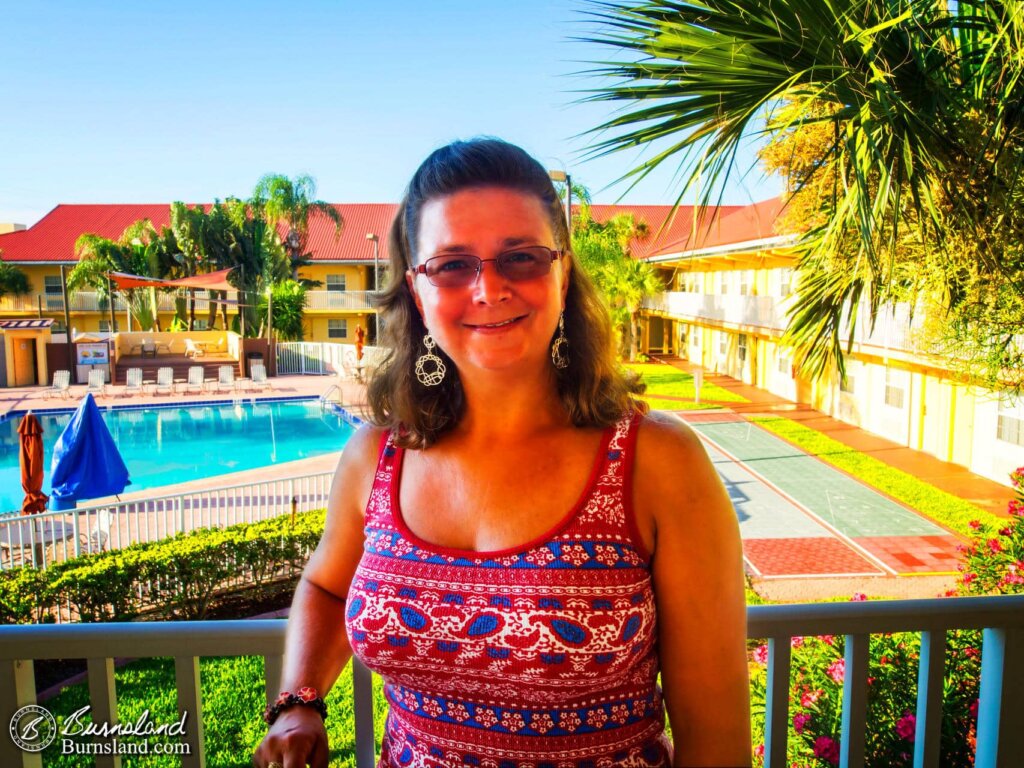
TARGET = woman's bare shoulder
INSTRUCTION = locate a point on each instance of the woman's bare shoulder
(672, 465)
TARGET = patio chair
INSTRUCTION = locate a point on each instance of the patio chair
(196, 378)
(97, 381)
(99, 535)
(193, 350)
(259, 376)
(133, 382)
(148, 348)
(226, 377)
(61, 384)
(164, 380)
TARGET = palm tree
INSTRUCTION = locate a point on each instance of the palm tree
(922, 102)
(12, 280)
(139, 251)
(290, 202)
(603, 251)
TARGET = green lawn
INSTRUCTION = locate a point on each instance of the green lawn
(665, 380)
(940, 506)
(233, 702)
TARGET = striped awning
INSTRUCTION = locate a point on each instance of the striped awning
(45, 322)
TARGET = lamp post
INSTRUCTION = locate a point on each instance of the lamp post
(372, 237)
(562, 176)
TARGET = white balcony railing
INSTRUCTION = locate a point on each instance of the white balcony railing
(1000, 739)
(894, 329)
(762, 312)
(338, 300)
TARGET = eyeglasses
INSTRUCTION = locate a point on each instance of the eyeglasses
(458, 270)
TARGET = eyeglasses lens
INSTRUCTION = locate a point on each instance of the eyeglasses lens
(458, 270)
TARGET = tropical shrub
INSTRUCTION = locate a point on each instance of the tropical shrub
(178, 578)
(993, 561)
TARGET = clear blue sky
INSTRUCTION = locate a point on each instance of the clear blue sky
(150, 102)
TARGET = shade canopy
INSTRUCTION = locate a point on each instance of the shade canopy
(211, 281)
(30, 441)
(86, 463)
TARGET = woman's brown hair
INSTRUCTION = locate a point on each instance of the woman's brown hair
(594, 389)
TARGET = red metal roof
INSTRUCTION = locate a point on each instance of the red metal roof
(731, 225)
(53, 238)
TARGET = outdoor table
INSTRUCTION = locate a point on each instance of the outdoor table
(18, 535)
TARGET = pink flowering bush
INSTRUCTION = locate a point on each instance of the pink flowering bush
(993, 561)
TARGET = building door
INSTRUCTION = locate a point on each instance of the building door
(24, 362)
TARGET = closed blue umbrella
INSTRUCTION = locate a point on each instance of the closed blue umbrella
(86, 463)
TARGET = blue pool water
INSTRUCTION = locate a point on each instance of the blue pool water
(162, 446)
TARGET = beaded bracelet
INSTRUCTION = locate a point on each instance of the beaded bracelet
(304, 697)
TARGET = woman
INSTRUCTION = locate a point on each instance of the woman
(515, 546)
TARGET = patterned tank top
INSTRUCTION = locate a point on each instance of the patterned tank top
(539, 656)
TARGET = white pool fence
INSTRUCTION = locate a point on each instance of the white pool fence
(48, 537)
(323, 358)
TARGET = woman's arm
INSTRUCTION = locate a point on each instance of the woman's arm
(697, 570)
(316, 648)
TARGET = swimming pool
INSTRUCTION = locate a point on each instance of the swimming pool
(169, 445)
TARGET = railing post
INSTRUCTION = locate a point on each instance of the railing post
(1000, 736)
(291, 496)
(855, 701)
(103, 698)
(17, 689)
(362, 693)
(190, 706)
(180, 503)
(776, 706)
(930, 673)
(76, 528)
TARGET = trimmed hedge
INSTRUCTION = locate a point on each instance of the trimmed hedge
(177, 578)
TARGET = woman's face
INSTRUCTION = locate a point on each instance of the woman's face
(494, 323)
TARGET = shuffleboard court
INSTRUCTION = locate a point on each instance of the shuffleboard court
(801, 517)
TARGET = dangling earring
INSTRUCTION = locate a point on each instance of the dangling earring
(560, 346)
(430, 368)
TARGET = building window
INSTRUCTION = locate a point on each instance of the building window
(785, 281)
(723, 343)
(722, 281)
(53, 299)
(895, 387)
(741, 347)
(745, 281)
(785, 365)
(337, 329)
(335, 282)
(849, 386)
(1010, 424)
(105, 326)
(201, 324)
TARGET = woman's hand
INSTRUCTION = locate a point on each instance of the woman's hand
(296, 739)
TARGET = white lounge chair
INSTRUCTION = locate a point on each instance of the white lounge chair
(99, 536)
(61, 384)
(226, 377)
(164, 380)
(133, 382)
(97, 381)
(259, 376)
(196, 378)
(193, 350)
